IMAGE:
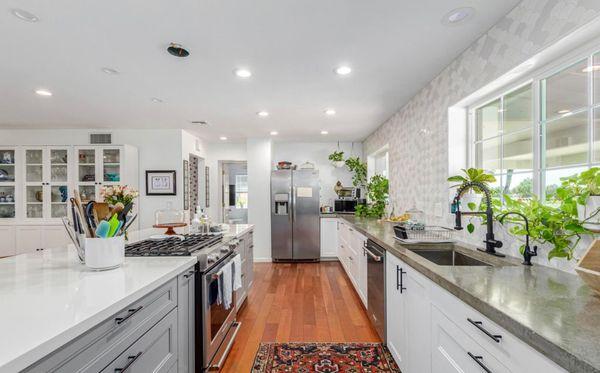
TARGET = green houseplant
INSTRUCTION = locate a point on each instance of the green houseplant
(472, 198)
(337, 158)
(555, 224)
(581, 194)
(377, 191)
(359, 168)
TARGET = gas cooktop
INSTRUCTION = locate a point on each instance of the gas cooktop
(173, 246)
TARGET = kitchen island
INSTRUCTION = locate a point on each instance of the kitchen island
(54, 308)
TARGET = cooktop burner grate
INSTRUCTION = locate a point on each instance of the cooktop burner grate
(173, 246)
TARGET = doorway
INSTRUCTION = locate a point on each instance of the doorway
(234, 192)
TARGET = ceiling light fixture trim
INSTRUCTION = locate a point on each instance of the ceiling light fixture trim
(458, 16)
(24, 15)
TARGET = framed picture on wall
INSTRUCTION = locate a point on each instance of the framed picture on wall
(161, 183)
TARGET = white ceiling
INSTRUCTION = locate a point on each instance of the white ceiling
(291, 47)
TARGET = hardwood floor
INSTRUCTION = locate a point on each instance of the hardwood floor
(298, 302)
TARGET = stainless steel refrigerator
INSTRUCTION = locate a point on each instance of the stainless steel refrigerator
(295, 225)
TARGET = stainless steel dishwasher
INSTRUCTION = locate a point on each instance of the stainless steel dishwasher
(376, 286)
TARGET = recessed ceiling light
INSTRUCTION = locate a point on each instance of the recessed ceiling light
(274, 133)
(177, 50)
(242, 73)
(110, 71)
(156, 100)
(458, 16)
(43, 92)
(564, 111)
(591, 68)
(222, 138)
(263, 113)
(330, 111)
(24, 15)
(324, 132)
(343, 70)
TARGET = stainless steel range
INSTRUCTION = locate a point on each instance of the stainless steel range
(216, 327)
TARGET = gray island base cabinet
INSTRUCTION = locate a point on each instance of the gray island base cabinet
(153, 334)
(429, 330)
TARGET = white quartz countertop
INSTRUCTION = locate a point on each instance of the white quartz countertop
(48, 298)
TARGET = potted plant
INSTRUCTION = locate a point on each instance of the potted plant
(582, 194)
(359, 168)
(377, 190)
(337, 158)
(471, 198)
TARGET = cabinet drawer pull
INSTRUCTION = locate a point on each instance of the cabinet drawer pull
(131, 312)
(252, 246)
(351, 258)
(189, 274)
(478, 325)
(132, 360)
(478, 360)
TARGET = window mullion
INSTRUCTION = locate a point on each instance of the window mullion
(537, 138)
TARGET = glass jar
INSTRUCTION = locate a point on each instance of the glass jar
(416, 216)
(168, 216)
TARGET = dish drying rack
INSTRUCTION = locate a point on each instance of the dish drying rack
(426, 234)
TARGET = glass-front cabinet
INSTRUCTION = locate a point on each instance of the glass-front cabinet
(97, 166)
(46, 182)
(8, 172)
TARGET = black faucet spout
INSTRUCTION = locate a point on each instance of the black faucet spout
(528, 253)
(491, 244)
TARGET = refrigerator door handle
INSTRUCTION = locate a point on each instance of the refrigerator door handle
(294, 203)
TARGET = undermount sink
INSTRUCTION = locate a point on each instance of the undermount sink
(446, 257)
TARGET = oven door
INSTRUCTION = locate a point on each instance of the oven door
(216, 320)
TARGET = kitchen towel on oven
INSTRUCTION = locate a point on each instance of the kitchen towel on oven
(226, 285)
(237, 272)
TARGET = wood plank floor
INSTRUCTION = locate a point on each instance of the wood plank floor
(298, 302)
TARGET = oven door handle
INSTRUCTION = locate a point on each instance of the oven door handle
(219, 364)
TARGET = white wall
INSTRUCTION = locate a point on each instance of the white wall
(259, 153)
(318, 153)
(158, 150)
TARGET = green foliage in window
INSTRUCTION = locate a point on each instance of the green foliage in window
(578, 188)
(473, 175)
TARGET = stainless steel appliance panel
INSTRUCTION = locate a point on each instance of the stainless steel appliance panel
(376, 286)
(306, 223)
(281, 215)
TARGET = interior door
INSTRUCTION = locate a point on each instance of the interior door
(305, 215)
(281, 215)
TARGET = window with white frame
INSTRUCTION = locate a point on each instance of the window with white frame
(529, 140)
(241, 191)
(378, 163)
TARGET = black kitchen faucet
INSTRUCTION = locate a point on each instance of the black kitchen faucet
(527, 252)
(491, 244)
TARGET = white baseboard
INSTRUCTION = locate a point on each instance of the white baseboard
(263, 260)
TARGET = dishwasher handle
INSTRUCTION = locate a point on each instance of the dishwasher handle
(376, 258)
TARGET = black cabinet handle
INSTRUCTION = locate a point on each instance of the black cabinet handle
(478, 325)
(132, 360)
(478, 360)
(399, 279)
(131, 312)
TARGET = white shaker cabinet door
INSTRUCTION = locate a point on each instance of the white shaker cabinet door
(395, 311)
(329, 237)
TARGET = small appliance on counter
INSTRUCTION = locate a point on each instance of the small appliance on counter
(347, 204)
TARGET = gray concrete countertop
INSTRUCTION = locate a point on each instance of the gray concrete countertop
(555, 312)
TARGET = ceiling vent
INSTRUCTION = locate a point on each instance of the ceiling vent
(100, 138)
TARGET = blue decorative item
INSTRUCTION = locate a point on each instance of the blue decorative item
(63, 193)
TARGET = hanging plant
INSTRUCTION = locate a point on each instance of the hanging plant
(359, 168)
(337, 158)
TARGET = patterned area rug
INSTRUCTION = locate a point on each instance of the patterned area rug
(323, 358)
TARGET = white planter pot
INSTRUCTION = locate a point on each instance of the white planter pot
(104, 253)
(584, 212)
(468, 198)
(338, 164)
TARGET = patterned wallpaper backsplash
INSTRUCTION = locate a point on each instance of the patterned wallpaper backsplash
(417, 134)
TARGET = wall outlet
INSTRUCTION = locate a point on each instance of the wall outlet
(437, 210)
